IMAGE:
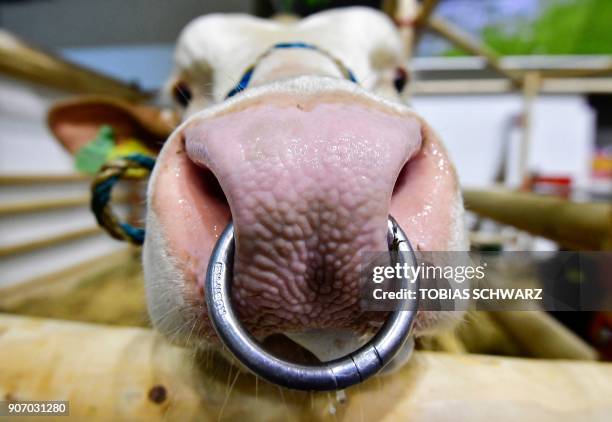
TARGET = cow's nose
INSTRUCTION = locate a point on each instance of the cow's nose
(309, 184)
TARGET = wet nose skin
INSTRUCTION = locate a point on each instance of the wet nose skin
(309, 185)
(308, 170)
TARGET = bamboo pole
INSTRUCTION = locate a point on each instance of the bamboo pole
(472, 45)
(23, 61)
(131, 374)
(46, 242)
(27, 207)
(35, 179)
(42, 205)
(585, 226)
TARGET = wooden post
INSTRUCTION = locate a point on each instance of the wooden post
(411, 17)
(420, 23)
(405, 13)
(58, 239)
(493, 86)
(531, 87)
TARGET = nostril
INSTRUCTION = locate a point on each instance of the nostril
(402, 178)
(211, 186)
(206, 181)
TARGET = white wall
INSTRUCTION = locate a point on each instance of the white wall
(149, 65)
(27, 147)
(473, 129)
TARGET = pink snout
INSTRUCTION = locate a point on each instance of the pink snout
(308, 181)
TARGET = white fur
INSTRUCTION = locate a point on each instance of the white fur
(164, 285)
(216, 49)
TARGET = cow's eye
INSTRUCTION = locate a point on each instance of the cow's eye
(400, 79)
(181, 93)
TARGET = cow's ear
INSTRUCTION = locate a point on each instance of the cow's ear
(77, 121)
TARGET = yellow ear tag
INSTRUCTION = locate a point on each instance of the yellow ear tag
(127, 147)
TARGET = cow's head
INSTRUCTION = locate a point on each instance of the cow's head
(306, 162)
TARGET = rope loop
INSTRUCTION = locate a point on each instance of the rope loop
(128, 167)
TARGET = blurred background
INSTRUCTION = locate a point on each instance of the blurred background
(519, 90)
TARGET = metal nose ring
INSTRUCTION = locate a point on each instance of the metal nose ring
(332, 375)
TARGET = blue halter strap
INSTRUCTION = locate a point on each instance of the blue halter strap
(248, 73)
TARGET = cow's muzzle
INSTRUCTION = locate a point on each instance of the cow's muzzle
(336, 374)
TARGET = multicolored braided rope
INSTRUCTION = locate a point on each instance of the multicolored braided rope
(101, 189)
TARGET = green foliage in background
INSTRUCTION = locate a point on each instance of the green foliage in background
(563, 27)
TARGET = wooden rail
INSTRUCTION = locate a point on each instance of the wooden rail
(36, 179)
(584, 226)
(550, 86)
(42, 205)
(49, 241)
(26, 207)
(119, 373)
(20, 60)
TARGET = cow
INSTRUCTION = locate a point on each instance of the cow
(298, 133)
